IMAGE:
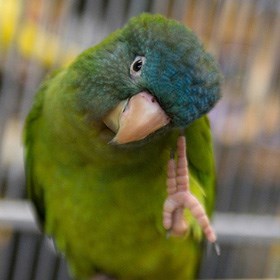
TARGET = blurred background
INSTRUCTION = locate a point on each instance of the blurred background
(37, 36)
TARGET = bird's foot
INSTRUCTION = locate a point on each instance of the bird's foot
(180, 198)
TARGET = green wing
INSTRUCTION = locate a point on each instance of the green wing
(34, 188)
(201, 158)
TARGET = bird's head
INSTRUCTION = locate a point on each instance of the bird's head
(149, 77)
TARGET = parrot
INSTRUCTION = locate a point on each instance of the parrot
(119, 157)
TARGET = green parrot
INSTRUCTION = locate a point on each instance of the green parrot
(97, 142)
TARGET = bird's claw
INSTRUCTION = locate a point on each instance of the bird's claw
(180, 198)
(215, 246)
(173, 214)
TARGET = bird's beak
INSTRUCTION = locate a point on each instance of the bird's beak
(135, 118)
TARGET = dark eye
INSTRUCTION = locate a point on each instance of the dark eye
(136, 66)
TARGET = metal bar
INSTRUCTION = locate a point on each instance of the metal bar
(239, 228)
(18, 214)
(230, 227)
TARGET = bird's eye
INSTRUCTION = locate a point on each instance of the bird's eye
(136, 66)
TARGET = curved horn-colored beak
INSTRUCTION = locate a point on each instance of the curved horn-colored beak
(136, 118)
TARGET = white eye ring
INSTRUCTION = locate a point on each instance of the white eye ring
(136, 66)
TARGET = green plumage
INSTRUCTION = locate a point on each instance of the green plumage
(101, 202)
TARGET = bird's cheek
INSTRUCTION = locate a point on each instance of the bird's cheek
(136, 118)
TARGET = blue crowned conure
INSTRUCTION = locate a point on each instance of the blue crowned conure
(105, 153)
